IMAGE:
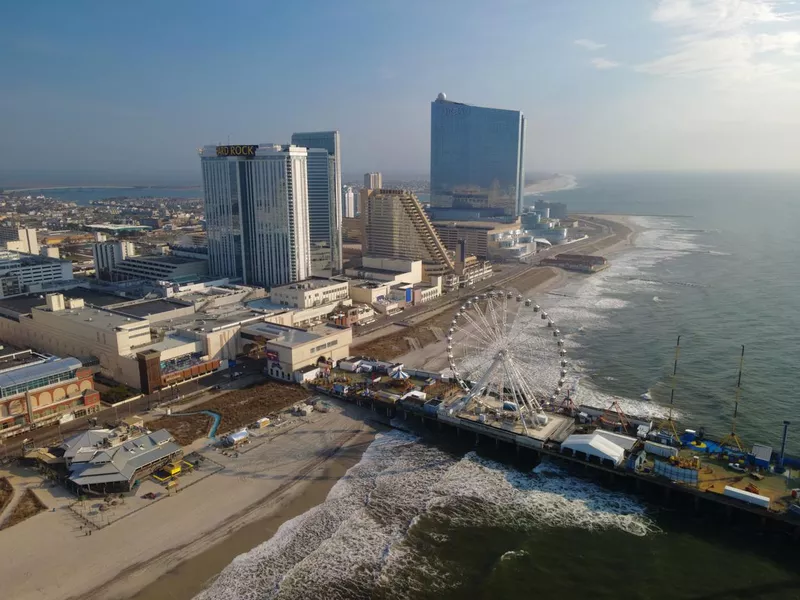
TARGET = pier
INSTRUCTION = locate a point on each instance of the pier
(431, 420)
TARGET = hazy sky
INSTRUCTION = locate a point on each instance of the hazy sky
(135, 87)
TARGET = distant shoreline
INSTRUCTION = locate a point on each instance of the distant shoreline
(556, 183)
(105, 187)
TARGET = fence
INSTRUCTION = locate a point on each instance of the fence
(672, 473)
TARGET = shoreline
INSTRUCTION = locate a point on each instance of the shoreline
(182, 580)
(556, 183)
(49, 557)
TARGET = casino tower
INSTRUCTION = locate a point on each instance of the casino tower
(256, 210)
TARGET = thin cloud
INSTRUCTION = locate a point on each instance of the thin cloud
(604, 63)
(590, 45)
(721, 40)
(718, 15)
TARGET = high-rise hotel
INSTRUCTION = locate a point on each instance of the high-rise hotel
(324, 199)
(257, 212)
(477, 160)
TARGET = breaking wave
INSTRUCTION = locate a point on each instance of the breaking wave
(377, 532)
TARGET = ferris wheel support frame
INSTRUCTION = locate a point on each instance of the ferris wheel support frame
(486, 329)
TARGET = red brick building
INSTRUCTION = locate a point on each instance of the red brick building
(41, 390)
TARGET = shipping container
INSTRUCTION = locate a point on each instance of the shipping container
(749, 497)
(660, 449)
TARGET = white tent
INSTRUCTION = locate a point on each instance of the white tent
(400, 374)
(594, 444)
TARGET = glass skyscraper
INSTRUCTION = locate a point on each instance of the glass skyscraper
(256, 210)
(477, 158)
(324, 199)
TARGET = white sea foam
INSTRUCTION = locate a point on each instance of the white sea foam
(595, 303)
(358, 540)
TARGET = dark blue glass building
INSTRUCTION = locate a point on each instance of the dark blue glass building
(477, 158)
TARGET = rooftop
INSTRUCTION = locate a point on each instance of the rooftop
(94, 297)
(96, 318)
(97, 459)
(163, 259)
(488, 225)
(22, 305)
(150, 307)
(315, 283)
(11, 259)
(32, 372)
(290, 336)
(14, 358)
(213, 319)
(113, 227)
(265, 304)
(168, 343)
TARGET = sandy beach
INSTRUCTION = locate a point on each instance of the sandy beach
(229, 512)
(556, 183)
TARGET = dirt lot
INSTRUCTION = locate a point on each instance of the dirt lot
(238, 408)
(28, 506)
(6, 493)
(184, 428)
(425, 332)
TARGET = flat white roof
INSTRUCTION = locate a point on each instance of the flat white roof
(95, 317)
(290, 336)
(310, 284)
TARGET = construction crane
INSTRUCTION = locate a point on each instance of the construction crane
(732, 441)
(669, 424)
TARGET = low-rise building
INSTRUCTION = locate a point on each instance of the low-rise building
(354, 315)
(425, 292)
(369, 292)
(21, 273)
(103, 461)
(37, 390)
(487, 240)
(310, 293)
(71, 328)
(177, 269)
(390, 270)
(288, 349)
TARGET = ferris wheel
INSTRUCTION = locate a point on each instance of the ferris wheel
(506, 353)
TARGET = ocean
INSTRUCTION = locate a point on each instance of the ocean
(716, 264)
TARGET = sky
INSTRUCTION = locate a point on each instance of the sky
(132, 89)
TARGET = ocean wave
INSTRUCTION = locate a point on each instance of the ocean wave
(590, 395)
(375, 530)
